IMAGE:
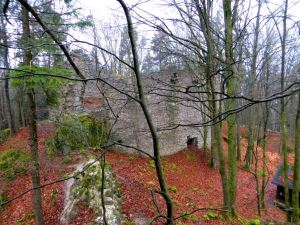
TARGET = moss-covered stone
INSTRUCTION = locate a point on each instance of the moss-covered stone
(87, 189)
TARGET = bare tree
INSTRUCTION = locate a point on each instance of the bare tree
(143, 104)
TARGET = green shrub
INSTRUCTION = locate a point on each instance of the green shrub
(173, 189)
(190, 217)
(151, 183)
(254, 222)
(211, 215)
(76, 132)
(54, 195)
(180, 223)
(97, 130)
(26, 219)
(152, 163)
(3, 198)
(128, 222)
(13, 162)
(5, 134)
(289, 149)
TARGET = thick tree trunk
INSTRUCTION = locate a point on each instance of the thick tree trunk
(230, 79)
(37, 199)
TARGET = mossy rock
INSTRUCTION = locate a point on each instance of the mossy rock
(87, 190)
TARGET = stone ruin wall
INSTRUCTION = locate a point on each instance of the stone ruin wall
(132, 128)
(127, 119)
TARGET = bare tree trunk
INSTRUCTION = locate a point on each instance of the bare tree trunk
(266, 112)
(37, 199)
(238, 138)
(204, 10)
(282, 108)
(142, 99)
(250, 147)
(222, 165)
(102, 189)
(230, 84)
(295, 195)
(6, 82)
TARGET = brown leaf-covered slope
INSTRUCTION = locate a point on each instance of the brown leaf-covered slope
(191, 182)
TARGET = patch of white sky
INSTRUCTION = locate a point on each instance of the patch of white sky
(110, 14)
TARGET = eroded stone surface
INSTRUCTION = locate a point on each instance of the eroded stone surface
(87, 188)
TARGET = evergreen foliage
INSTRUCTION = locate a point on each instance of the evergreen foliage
(41, 79)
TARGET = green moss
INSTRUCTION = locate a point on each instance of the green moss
(152, 163)
(151, 183)
(13, 162)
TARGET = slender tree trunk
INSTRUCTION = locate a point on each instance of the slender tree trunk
(205, 22)
(6, 83)
(37, 199)
(296, 179)
(266, 112)
(102, 189)
(282, 108)
(250, 146)
(144, 106)
(205, 133)
(238, 139)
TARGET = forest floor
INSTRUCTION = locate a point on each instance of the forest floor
(192, 184)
